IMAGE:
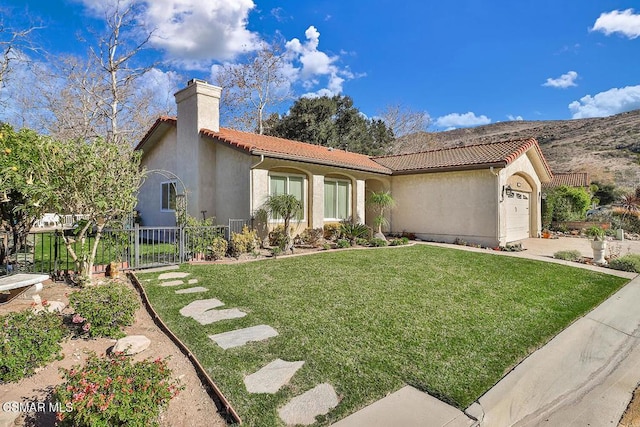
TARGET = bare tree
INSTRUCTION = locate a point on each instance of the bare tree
(254, 84)
(14, 45)
(409, 126)
(114, 54)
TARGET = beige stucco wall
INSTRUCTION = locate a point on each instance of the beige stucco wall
(231, 176)
(160, 156)
(447, 205)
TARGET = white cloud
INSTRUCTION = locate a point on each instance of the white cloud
(624, 22)
(192, 31)
(607, 103)
(564, 81)
(455, 120)
(310, 64)
(513, 118)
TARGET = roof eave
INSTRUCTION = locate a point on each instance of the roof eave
(283, 156)
(457, 168)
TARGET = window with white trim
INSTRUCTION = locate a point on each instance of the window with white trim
(337, 199)
(168, 202)
(289, 184)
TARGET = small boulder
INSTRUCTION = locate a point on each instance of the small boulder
(133, 344)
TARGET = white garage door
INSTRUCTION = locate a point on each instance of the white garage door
(517, 216)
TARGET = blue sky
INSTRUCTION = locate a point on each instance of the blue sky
(463, 62)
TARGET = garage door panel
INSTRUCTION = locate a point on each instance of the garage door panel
(518, 216)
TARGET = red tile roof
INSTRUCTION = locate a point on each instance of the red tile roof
(293, 150)
(570, 179)
(497, 154)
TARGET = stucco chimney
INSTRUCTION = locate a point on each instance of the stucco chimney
(199, 106)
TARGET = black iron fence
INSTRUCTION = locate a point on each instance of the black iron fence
(135, 248)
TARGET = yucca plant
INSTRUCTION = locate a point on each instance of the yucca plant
(287, 207)
(381, 201)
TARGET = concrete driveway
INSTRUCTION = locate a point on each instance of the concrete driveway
(547, 247)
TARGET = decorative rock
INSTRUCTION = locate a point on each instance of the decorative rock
(172, 283)
(192, 281)
(173, 275)
(305, 408)
(200, 306)
(212, 316)
(272, 377)
(193, 290)
(133, 344)
(240, 337)
(52, 306)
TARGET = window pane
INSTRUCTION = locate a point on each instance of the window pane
(296, 188)
(172, 196)
(165, 196)
(278, 185)
(343, 200)
(330, 199)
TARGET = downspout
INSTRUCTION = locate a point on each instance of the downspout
(251, 183)
(497, 174)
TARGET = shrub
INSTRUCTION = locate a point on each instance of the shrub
(312, 236)
(276, 251)
(409, 235)
(343, 243)
(27, 341)
(102, 310)
(244, 242)
(115, 392)
(629, 262)
(596, 233)
(377, 242)
(326, 246)
(218, 247)
(399, 241)
(353, 231)
(331, 231)
(572, 255)
(362, 242)
(277, 237)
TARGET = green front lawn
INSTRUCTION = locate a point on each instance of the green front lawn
(446, 321)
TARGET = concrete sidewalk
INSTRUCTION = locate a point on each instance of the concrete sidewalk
(584, 376)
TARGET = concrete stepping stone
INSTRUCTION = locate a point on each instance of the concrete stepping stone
(192, 281)
(200, 306)
(305, 408)
(193, 290)
(240, 337)
(173, 275)
(172, 283)
(132, 344)
(212, 316)
(272, 377)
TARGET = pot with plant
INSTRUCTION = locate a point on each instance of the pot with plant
(598, 244)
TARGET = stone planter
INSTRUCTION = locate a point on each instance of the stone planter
(620, 234)
(599, 248)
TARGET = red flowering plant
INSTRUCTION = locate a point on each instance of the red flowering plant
(112, 391)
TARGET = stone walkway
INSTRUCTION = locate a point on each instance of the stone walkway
(300, 410)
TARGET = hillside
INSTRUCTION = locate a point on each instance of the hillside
(608, 148)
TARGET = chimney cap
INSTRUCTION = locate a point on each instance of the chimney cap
(194, 81)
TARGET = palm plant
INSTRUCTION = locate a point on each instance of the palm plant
(630, 203)
(287, 207)
(380, 201)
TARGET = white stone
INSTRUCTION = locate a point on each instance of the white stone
(133, 344)
(173, 275)
(212, 316)
(192, 281)
(199, 306)
(172, 283)
(193, 290)
(272, 377)
(52, 307)
(305, 408)
(240, 337)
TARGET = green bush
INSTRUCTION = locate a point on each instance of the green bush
(362, 242)
(377, 242)
(630, 262)
(331, 231)
(218, 247)
(115, 392)
(102, 310)
(565, 203)
(244, 242)
(352, 232)
(399, 241)
(27, 341)
(572, 255)
(343, 243)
